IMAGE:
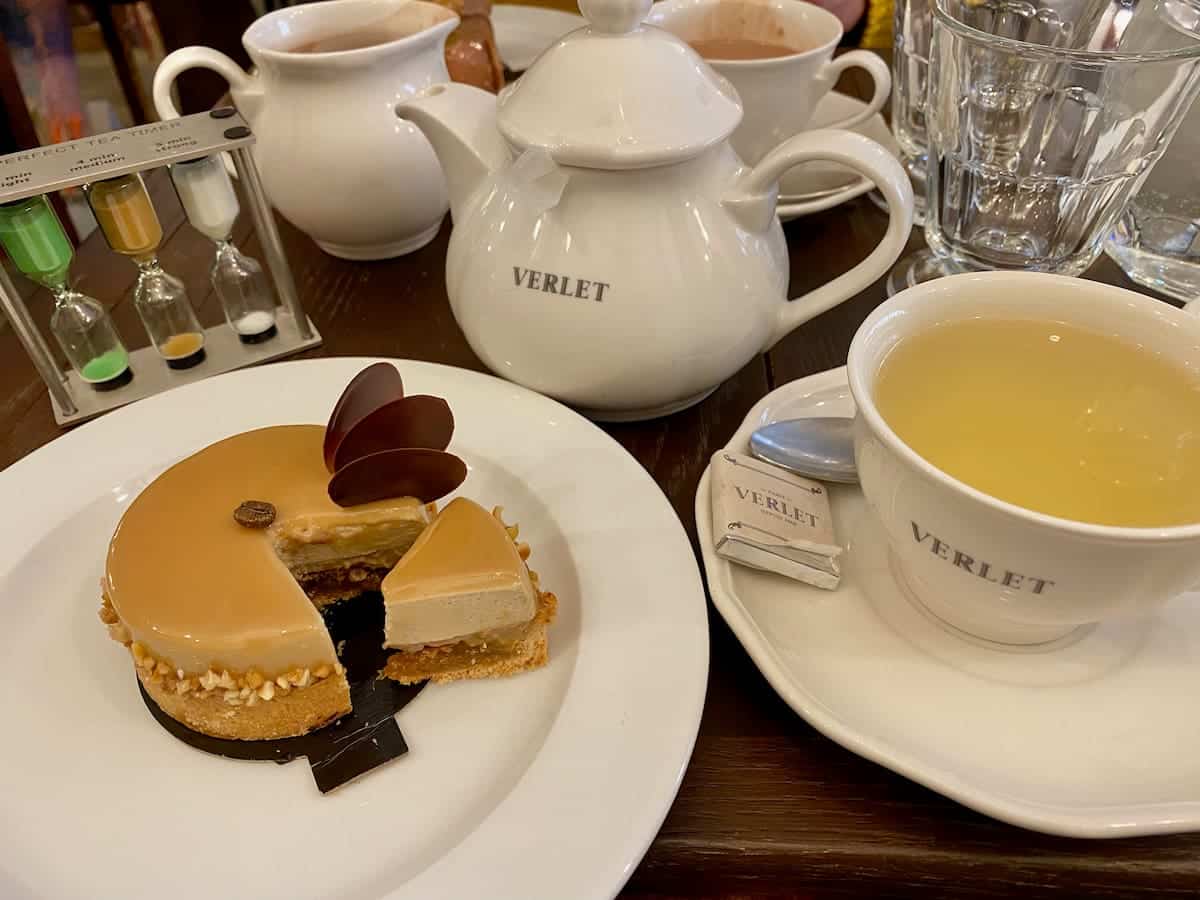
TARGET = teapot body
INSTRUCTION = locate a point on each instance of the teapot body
(625, 293)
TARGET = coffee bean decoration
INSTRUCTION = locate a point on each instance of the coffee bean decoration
(418, 421)
(407, 472)
(254, 514)
(370, 389)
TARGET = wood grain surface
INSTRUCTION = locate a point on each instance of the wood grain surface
(768, 807)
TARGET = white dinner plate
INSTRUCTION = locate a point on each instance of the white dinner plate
(523, 32)
(550, 784)
(818, 186)
(1098, 737)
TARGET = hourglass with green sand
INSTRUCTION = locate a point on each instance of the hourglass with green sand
(36, 243)
(130, 226)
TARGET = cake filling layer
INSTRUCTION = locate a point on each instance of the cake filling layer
(310, 542)
(489, 659)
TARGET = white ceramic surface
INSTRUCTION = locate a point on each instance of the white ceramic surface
(547, 785)
(989, 567)
(524, 32)
(628, 292)
(818, 186)
(779, 93)
(1094, 738)
(333, 161)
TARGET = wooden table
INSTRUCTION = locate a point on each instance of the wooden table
(768, 807)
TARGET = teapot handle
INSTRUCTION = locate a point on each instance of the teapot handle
(246, 89)
(753, 204)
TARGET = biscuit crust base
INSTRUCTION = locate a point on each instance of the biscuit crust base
(297, 713)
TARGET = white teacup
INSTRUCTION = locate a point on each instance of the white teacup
(779, 93)
(987, 567)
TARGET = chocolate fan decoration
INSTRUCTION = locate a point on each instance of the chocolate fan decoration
(403, 472)
(381, 444)
(418, 421)
(370, 389)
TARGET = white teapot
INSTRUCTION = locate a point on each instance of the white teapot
(334, 161)
(610, 249)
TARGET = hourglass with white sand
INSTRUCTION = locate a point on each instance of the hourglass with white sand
(208, 198)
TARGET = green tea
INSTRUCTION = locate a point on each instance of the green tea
(1051, 417)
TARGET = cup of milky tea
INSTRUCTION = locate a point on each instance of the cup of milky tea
(1031, 445)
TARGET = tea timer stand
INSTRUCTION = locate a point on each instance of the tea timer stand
(31, 173)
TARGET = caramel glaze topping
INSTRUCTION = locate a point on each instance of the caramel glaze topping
(200, 590)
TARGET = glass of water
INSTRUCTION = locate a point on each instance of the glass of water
(910, 69)
(1041, 122)
(1157, 240)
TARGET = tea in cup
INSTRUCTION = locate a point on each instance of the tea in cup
(1031, 445)
(778, 54)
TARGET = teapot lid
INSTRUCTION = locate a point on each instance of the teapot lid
(618, 94)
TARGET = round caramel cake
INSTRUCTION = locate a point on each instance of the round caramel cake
(217, 571)
(221, 619)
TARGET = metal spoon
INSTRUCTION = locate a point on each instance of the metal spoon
(821, 447)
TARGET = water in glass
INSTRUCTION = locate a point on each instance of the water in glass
(1157, 239)
(1042, 120)
(910, 68)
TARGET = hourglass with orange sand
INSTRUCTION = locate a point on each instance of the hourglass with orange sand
(130, 226)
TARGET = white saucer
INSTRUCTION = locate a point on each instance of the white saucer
(523, 32)
(1098, 737)
(818, 186)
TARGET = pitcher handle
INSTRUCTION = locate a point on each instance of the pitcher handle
(880, 74)
(246, 88)
(858, 153)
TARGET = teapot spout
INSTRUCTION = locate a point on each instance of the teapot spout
(460, 122)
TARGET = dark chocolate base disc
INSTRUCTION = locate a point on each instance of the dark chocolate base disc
(353, 745)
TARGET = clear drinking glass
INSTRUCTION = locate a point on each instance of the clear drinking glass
(1157, 240)
(910, 69)
(1042, 121)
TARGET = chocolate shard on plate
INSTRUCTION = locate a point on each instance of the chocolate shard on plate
(370, 389)
(407, 472)
(418, 421)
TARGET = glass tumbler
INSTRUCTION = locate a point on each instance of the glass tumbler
(910, 69)
(1042, 121)
(1157, 240)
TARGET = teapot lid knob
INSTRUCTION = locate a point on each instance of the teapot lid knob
(614, 16)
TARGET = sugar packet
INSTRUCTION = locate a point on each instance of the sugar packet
(767, 518)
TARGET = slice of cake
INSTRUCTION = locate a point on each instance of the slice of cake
(461, 603)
